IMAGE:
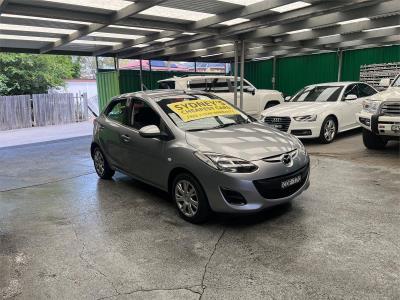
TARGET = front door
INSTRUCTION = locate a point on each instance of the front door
(146, 156)
(250, 102)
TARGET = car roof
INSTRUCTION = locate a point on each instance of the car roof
(340, 83)
(198, 77)
(160, 94)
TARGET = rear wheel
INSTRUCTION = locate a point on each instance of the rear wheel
(101, 165)
(190, 199)
(372, 140)
(328, 130)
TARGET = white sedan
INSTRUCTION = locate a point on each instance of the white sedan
(320, 110)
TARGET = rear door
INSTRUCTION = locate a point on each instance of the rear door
(113, 128)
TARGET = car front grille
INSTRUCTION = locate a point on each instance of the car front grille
(281, 123)
(270, 188)
(391, 108)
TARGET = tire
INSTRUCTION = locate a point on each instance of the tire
(372, 140)
(101, 165)
(270, 104)
(328, 131)
(183, 186)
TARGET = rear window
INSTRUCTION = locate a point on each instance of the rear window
(166, 85)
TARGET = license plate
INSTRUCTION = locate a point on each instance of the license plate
(289, 182)
(396, 128)
(277, 126)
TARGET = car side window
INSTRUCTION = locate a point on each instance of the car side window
(351, 90)
(168, 85)
(118, 111)
(365, 90)
(199, 85)
(219, 85)
(143, 115)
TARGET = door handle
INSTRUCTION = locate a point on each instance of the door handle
(125, 138)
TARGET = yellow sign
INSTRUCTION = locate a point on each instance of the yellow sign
(190, 110)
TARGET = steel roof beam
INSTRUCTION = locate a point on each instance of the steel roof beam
(291, 16)
(383, 8)
(259, 7)
(339, 29)
(123, 13)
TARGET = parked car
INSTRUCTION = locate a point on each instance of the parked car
(254, 100)
(380, 116)
(206, 153)
(320, 110)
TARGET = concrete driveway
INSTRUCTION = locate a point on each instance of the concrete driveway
(65, 234)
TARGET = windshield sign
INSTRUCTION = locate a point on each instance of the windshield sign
(202, 113)
(318, 94)
(200, 109)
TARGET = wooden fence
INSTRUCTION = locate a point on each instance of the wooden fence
(42, 110)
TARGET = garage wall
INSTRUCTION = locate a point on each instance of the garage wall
(259, 73)
(353, 59)
(293, 73)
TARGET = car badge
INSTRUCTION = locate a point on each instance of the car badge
(286, 159)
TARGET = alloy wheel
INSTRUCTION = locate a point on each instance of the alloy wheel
(186, 198)
(99, 162)
(330, 130)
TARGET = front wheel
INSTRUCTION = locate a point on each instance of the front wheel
(101, 165)
(372, 140)
(328, 130)
(190, 199)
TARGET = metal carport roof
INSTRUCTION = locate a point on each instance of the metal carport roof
(195, 30)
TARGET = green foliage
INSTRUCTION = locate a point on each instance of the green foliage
(22, 74)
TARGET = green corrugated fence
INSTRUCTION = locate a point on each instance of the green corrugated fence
(107, 87)
(353, 59)
(292, 73)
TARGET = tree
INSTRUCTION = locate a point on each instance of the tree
(22, 74)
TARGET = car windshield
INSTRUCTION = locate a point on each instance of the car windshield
(396, 82)
(318, 93)
(201, 112)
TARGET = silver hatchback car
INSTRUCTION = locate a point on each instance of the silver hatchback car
(206, 153)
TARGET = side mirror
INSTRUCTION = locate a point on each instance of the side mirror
(350, 97)
(150, 131)
(385, 82)
(251, 90)
(287, 98)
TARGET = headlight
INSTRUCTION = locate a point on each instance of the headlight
(226, 163)
(371, 106)
(300, 145)
(306, 118)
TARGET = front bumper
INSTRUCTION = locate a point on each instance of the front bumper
(380, 125)
(244, 184)
(303, 130)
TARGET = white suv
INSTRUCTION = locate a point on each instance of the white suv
(254, 100)
(380, 116)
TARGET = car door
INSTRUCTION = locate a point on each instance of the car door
(112, 126)
(350, 107)
(251, 103)
(146, 156)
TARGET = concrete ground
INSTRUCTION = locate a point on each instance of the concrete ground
(65, 234)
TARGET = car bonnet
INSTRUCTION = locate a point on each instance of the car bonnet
(252, 141)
